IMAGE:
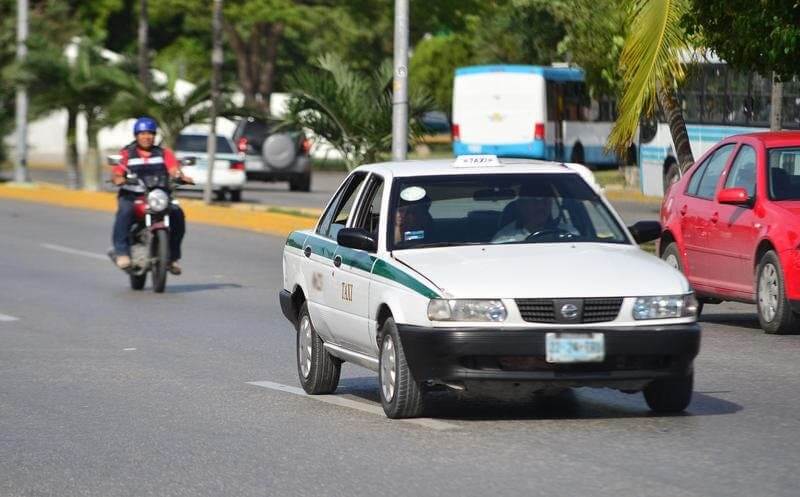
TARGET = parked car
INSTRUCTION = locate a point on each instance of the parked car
(229, 175)
(274, 156)
(497, 276)
(732, 225)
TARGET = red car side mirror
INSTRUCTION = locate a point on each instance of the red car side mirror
(734, 196)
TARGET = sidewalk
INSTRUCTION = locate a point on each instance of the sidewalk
(259, 218)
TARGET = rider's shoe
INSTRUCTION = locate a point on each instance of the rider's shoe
(123, 262)
(174, 268)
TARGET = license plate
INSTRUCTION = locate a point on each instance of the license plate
(572, 347)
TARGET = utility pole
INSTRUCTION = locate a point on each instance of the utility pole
(216, 71)
(400, 87)
(776, 109)
(21, 167)
(144, 62)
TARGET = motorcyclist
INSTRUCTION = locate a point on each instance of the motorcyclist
(143, 157)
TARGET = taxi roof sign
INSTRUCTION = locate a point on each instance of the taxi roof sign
(477, 161)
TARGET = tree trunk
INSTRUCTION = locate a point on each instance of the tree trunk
(92, 162)
(256, 61)
(144, 64)
(677, 127)
(776, 109)
(74, 179)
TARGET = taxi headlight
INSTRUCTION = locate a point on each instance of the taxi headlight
(665, 307)
(157, 200)
(466, 310)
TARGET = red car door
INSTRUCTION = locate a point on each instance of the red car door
(696, 208)
(734, 230)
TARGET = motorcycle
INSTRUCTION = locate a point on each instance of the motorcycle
(149, 234)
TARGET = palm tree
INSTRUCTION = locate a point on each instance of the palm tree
(353, 112)
(651, 68)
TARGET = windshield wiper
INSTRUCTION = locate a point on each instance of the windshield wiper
(445, 244)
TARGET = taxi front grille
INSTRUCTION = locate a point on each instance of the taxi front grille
(597, 310)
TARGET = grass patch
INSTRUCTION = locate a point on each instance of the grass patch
(610, 177)
(649, 247)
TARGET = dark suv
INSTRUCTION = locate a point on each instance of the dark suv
(274, 156)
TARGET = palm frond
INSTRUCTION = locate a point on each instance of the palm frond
(650, 59)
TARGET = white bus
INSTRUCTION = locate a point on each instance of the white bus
(530, 111)
(717, 102)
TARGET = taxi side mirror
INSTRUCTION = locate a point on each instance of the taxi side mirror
(645, 231)
(357, 238)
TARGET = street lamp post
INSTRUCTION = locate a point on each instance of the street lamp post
(400, 87)
(21, 166)
(216, 70)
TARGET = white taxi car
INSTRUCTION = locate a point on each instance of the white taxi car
(503, 276)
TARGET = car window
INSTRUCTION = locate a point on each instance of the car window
(784, 173)
(370, 214)
(199, 144)
(450, 210)
(335, 218)
(711, 172)
(743, 171)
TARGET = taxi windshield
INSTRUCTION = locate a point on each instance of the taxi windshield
(472, 209)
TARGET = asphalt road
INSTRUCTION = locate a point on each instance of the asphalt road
(109, 392)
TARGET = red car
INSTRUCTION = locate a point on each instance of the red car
(732, 225)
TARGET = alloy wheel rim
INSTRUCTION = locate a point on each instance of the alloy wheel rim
(304, 347)
(388, 368)
(672, 261)
(768, 292)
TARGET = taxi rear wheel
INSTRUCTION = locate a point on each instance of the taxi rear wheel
(318, 370)
(401, 396)
(669, 395)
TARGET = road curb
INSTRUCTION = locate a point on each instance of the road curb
(250, 217)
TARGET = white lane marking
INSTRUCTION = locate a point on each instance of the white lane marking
(129, 349)
(67, 250)
(370, 408)
(6, 318)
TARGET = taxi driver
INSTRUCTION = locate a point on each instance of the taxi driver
(533, 214)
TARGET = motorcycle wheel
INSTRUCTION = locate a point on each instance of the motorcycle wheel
(161, 260)
(138, 280)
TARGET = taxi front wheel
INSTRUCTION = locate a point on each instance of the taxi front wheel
(318, 370)
(669, 395)
(401, 396)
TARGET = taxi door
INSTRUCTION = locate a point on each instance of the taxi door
(352, 269)
(320, 251)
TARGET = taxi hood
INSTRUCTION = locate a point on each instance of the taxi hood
(554, 270)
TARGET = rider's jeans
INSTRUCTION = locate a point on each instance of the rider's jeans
(125, 218)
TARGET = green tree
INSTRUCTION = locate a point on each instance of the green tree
(433, 64)
(352, 111)
(767, 39)
(650, 66)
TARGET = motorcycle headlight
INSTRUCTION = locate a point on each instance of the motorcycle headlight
(157, 200)
(466, 310)
(665, 307)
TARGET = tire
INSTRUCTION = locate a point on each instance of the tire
(138, 281)
(669, 395)
(236, 195)
(279, 150)
(577, 155)
(774, 311)
(300, 183)
(671, 256)
(403, 397)
(317, 369)
(161, 260)
(671, 175)
(219, 195)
